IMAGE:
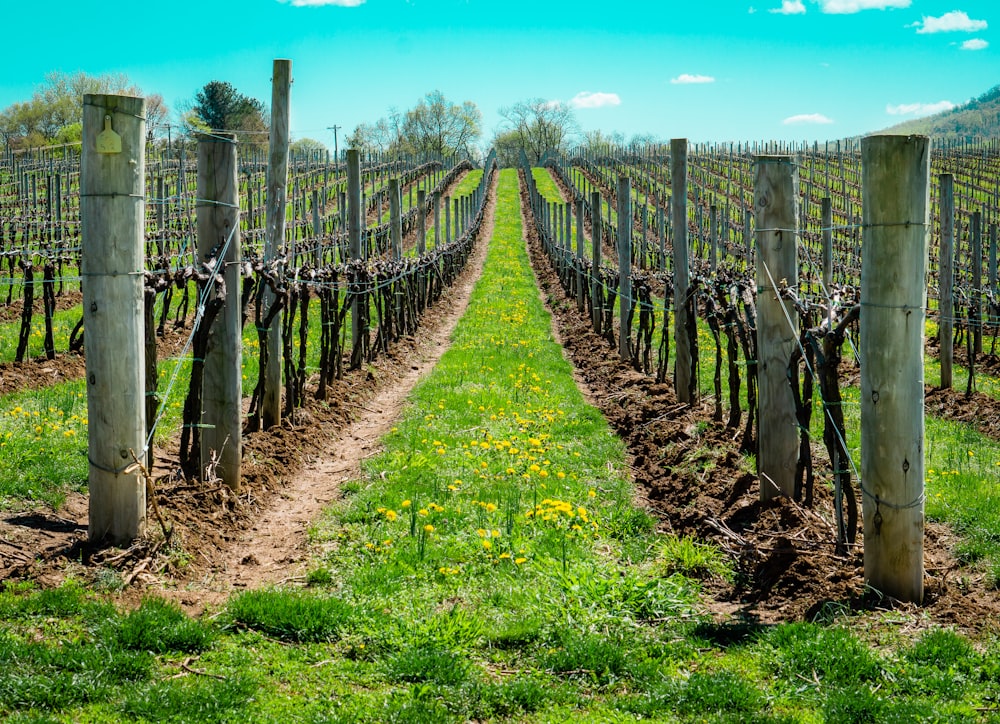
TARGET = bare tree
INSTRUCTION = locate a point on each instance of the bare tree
(438, 126)
(540, 126)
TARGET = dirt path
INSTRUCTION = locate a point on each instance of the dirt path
(275, 549)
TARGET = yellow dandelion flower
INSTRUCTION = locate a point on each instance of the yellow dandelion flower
(407, 503)
(519, 560)
(428, 528)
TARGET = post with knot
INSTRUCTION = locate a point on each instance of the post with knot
(274, 243)
(113, 215)
(895, 183)
(776, 194)
(218, 216)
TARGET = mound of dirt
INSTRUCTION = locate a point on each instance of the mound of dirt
(691, 475)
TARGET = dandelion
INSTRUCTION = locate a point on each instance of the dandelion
(591, 493)
(490, 507)
(428, 528)
(520, 560)
(487, 544)
(407, 503)
(423, 512)
(390, 515)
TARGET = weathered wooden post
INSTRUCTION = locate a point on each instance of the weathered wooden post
(946, 279)
(446, 202)
(713, 226)
(437, 219)
(395, 219)
(317, 231)
(218, 215)
(684, 383)
(976, 242)
(581, 299)
(595, 253)
(274, 242)
(896, 216)
(112, 218)
(421, 222)
(776, 194)
(827, 222)
(624, 267)
(355, 214)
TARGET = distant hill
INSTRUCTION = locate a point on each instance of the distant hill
(975, 120)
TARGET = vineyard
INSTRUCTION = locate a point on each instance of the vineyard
(226, 416)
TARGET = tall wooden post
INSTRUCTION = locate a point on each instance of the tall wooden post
(713, 242)
(218, 214)
(437, 219)
(683, 374)
(992, 259)
(946, 277)
(355, 214)
(896, 216)
(976, 242)
(446, 203)
(112, 217)
(595, 252)
(776, 194)
(421, 222)
(580, 291)
(274, 242)
(395, 219)
(827, 223)
(624, 267)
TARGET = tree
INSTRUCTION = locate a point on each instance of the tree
(539, 126)
(55, 110)
(220, 107)
(376, 136)
(308, 147)
(438, 126)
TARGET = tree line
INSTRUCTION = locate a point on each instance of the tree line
(434, 125)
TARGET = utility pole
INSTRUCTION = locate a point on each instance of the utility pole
(336, 154)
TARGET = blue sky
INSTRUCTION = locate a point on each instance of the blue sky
(730, 70)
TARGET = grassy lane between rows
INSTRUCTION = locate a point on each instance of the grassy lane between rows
(490, 566)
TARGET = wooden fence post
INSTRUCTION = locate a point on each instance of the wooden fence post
(595, 252)
(437, 219)
(580, 291)
(684, 383)
(218, 214)
(355, 214)
(946, 279)
(776, 194)
(112, 219)
(274, 243)
(976, 322)
(624, 267)
(395, 219)
(421, 222)
(896, 215)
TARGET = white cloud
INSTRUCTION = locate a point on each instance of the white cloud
(975, 44)
(689, 79)
(789, 7)
(848, 7)
(955, 21)
(322, 3)
(919, 109)
(586, 99)
(807, 118)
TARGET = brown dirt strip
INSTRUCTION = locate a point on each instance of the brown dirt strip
(689, 473)
(222, 542)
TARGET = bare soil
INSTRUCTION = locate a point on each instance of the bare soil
(692, 477)
(221, 541)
